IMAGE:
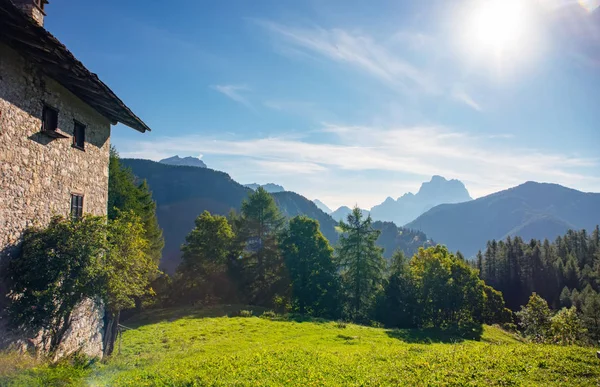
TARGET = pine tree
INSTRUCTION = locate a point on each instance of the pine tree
(260, 226)
(361, 263)
(309, 261)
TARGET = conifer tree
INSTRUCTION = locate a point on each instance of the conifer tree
(260, 226)
(361, 263)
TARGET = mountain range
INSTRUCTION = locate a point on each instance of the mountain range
(409, 206)
(182, 193)
(531, 210)
(185, 161)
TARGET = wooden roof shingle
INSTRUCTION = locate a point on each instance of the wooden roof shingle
(24, 35)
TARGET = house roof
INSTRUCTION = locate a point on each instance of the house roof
(24, 35)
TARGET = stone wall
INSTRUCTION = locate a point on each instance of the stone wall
(38, 174)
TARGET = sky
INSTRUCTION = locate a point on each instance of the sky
(351, 101)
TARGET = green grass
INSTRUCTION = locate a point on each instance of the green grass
(186, 348)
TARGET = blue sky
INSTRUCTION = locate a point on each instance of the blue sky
(348, 101)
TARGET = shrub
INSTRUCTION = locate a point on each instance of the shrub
(566, 327)
(245, 313)
(534, 318)
(269, 314)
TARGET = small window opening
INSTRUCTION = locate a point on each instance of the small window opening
(79, 136)
(49, 119)
(76, 206)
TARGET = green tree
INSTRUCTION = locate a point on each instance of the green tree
(59, 267)
(449, 292)
(495, 311)
(127, 270)
(534, 318)
(566, 327)
(203, 269)
(565, 298)
(125, 194)
(309, 261)
(591, 316)
(399, 305)
(361, 263)
(260, 226)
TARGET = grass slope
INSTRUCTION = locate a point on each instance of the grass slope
(196, 348)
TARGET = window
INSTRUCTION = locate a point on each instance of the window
(49, 119)
(76, 206)
(79, 136)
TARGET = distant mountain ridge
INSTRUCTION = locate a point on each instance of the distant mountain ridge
(409, 206)
(322, 206)
(185, 161)
(269, 187)
(181, 194)
(531, 210)
(343, 212)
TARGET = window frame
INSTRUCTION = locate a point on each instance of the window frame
(47, 108)
(83, 128)
(77, 200)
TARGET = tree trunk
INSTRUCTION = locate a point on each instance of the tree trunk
(111, 333)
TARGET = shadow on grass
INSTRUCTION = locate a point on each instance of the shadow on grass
(436, 335)
(153, 316)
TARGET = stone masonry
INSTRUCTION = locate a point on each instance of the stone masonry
(38, 173)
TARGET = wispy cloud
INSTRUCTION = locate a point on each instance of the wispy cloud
(358, 50)
(460, 95)
(234, 92)
(375, 153)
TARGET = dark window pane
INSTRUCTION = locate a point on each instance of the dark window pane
(76, 206)
(79, 135)
(49, 119)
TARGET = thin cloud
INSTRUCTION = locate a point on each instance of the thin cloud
(377, 152)
(461, 95)
(234, 92)
(358, 50)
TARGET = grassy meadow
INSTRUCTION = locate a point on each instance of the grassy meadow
(180, 347)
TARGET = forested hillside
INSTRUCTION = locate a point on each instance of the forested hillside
(531, 211)
(182, 193)
(291, 204)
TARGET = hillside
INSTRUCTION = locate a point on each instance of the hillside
(394, 238)
(531, 210)
(205, 347)
(181, 194)
(409, 206)
(291, 204)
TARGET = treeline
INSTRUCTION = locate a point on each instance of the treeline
(256, 257)
(564, 273)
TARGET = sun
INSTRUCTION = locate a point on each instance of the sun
(497, 27)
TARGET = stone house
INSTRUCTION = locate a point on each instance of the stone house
(55, 122)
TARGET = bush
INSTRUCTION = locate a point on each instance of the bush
(268, 314)
(566, 327)
(534, 318)
(245, 313)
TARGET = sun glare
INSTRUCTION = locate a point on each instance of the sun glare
(497, 28)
